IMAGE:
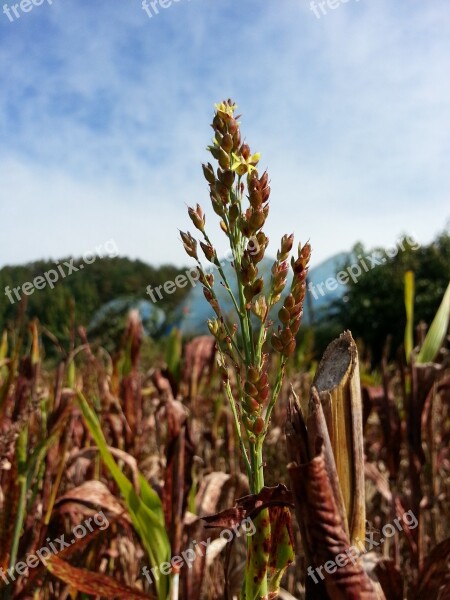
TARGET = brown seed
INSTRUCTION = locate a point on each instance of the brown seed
(263, 394)
(257, 220)
(258, 426)
(289, 349)
(224, 159)
(266, 194)
(297, 310)
(227, 142)
(295, 325)
(208, 172)
(236, 140)
(255, 198)
(253, 374)
(258, 286)
(277, 344)
(218, 123)
(250, 405)
(250, 389)
(289, 302)
(208, 251)
(245, 151)
(284, 316)
(227, 178)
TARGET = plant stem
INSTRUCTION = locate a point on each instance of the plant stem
(22, 444)
(248, 466)
(227, 329)
(276, 389)
(258, 546)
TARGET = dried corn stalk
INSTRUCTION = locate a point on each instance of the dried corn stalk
(327, 475)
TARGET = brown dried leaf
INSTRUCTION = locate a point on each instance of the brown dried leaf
(325, 536)
(250, 506)
(217, 490)
(93, 492)
(375, 398)
(130, 461)
(178, 471)
(75, 548)
(390, 578)
(423, 378)
(434, 579)
(92, 583)
(372, 473)
(226, 519)
(199, 357)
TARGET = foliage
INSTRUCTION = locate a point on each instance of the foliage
(98, 283)
(373, 307)
(145, 509)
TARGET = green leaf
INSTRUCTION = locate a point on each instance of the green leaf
(173, 353)
(145, 510)
(437, 332)
(282, 547)
(409, 307)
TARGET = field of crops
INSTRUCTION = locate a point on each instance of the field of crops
(239, 464)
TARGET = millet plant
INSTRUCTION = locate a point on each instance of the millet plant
(240, 196)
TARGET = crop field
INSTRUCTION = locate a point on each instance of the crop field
(239, 463)
(224, 300)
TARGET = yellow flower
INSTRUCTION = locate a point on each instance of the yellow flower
(225, 111)
(242, 165)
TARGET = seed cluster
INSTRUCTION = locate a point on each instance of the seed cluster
(236, 175)
(290, 314)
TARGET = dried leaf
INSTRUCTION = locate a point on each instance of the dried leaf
(325, 536)
(390, 578)
(250, 506)
(199, 358)
(281, 553)
(93, 492)
(434, 579)
(178, 472)
(92, 583)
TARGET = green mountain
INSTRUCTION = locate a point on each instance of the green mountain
(57, 300)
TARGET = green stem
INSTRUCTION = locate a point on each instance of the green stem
(248, 466)
(227, 329)
(237, 248)
(21, 452)
(276, 390)
(245, 325)
(263, 331)
(222, 274)
(255, 583)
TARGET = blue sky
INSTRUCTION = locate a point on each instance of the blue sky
(105, 112)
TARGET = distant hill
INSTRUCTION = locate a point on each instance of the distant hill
(87, 289)
(100, 294)
(319, 297)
